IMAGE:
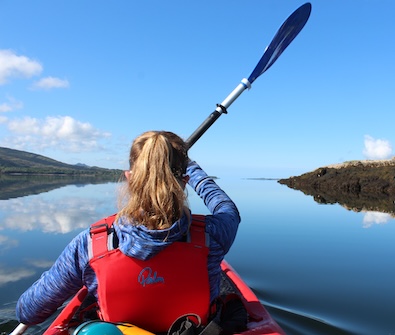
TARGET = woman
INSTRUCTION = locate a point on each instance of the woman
(149, 267)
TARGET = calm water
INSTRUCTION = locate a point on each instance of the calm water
(319, 269)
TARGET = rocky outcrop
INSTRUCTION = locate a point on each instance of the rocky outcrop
(357, 185)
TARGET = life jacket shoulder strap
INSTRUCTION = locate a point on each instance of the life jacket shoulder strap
(102, 233)
(101, 237)
(197, 231)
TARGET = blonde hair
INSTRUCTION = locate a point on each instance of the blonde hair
(155, 190)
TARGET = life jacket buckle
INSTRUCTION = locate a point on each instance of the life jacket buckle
(96, 229)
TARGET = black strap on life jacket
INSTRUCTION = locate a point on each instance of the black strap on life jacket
(231, 317)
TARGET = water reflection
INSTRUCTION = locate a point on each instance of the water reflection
(33, 213)
(14, 275)
(24, 185)
(61, 211)
(372, 218)
(314, 264)
(7, 243)
(35, 228)
(378, 207)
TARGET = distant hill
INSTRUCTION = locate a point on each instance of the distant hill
(14, 162)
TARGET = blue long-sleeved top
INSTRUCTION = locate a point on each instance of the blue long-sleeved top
(71, 270)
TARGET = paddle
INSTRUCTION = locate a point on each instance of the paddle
(284, 36)
(20, 329)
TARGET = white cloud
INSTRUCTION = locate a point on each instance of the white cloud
(41, 263)
(5, 107)
(50, 82)
(12, 65)
(61, 132)
(377, 148)
(7, 242)
(10, 105)
(371, 218)
(14, 275)
(42, 213)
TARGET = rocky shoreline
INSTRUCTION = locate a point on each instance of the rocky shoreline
(357, 185)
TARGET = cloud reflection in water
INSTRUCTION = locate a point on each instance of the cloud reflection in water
(56, 214)
(27, 221)
(371, 218)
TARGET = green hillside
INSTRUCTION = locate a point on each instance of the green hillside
(22, 162)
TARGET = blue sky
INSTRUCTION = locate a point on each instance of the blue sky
(79, 80)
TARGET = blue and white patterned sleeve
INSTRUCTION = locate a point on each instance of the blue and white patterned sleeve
(223, 223)
(55, 286)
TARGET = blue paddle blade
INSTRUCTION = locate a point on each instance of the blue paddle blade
(285, 35)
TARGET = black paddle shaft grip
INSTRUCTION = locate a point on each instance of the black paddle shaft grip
(202, 128)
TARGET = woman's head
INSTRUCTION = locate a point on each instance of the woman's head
(156, 180)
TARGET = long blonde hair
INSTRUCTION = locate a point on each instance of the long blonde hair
(155, 190)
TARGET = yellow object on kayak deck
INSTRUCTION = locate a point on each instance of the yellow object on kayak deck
(129, 329)
(98, 327)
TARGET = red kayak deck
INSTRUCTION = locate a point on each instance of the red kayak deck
(260, 321)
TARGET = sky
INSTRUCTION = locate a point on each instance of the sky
(79, 80)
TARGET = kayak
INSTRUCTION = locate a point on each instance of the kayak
(260, 322)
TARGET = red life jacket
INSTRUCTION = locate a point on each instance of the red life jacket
(152, 294)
